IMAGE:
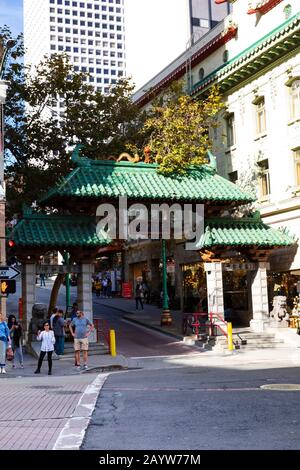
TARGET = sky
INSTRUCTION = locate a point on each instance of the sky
(156, 33)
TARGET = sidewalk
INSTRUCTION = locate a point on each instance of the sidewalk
(37, 408)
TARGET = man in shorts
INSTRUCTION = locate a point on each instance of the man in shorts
(83, 328)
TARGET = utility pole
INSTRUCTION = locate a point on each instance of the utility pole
(4, 48)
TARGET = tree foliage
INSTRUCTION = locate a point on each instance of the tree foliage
(179, 130)
(39, 141)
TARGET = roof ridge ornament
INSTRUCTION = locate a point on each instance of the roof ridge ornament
(76, 158)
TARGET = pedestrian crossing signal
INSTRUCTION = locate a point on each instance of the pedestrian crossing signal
(8, 287)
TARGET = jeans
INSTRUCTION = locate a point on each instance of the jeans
(3, 347)
(59, 345)
(137, 300)
(41, 358)
(18, 352)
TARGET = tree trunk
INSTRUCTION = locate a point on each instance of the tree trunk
(54, 293)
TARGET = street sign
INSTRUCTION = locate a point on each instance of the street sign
(8, 272)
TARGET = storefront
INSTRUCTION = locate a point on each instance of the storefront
(194, 287)
(286, 284)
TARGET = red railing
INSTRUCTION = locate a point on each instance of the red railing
(102, 330)
(212, 318)
(200, 321)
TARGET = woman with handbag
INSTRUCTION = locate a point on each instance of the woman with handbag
(16, 340)
(5, 343)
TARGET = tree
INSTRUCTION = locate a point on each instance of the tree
(38, 141)
(179, 130)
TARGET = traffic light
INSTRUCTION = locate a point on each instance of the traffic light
(8, 287)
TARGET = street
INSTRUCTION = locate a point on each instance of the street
(200, 408)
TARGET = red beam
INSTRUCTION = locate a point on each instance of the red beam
(265, 7)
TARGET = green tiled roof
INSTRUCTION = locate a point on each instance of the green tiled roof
(57, 231)
(242, 232)
(109, 180)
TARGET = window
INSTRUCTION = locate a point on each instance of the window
(230, 130)
(264, 178)
(233, 176)
(295, 99)
(297, 166)
(260, 115)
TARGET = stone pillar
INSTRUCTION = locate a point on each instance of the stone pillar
(84, 294)
(214, 281)
(28, 295)
(260, 305)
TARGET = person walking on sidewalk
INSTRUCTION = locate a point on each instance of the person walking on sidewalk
(48, 340)
(5, 342)
(83, 328)
(139, 295)
(15, 330)
(59, 332)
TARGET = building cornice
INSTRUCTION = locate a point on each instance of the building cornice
(218, 41)
(273, 46)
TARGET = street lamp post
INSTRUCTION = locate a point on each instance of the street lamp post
(166, 318)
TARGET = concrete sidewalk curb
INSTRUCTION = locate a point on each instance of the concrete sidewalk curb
(72, 434)
(134, 320)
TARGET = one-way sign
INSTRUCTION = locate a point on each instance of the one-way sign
(8, 272)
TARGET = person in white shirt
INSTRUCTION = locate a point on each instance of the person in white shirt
(48, 339)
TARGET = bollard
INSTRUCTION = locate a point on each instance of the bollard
(112, 337)
(229, 337)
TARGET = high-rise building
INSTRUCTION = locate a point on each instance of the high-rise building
(205, 14)
(90, 32)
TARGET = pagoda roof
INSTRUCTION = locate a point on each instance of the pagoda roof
(108, 180)
(42, 230)
(244, 232)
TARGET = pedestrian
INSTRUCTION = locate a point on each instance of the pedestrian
(109, 287)
(42, 280)
(98, 287)
(74, 310)
(5, 343)
(83, 328)
(48, 340)
(15, 331)
(54, 312)
(104, 287)
(59, 332)
(139, 295)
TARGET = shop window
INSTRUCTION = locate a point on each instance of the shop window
(194, 287)
(264, 178)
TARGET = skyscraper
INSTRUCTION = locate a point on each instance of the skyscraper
(91, 32)
(205, 14)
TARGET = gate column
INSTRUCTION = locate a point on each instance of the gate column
(260, 304)
(84, 294)
(214, 281)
